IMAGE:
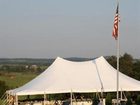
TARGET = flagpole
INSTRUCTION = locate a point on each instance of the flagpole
(116, 35)
(118, 54)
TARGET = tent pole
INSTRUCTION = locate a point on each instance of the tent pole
(44, 99)
(101, 96)
(16, 96)
(121, 95)
(71, 97)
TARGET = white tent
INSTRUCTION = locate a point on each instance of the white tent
(64, 76)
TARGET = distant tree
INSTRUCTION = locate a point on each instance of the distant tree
(126, 64)
(113, 61)
(5, 67)
(138, 100)
(129, 101)
(108, 99)
(136, 69)
(95, 100)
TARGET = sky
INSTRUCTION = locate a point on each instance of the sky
(67, 28)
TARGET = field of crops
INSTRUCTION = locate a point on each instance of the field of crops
(15, 79)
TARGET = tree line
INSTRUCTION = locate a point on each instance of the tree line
(127, 65)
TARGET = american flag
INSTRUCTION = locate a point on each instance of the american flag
(116, 22)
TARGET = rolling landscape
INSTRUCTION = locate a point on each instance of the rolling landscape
(17, 72)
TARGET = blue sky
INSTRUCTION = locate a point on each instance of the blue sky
(67, 28)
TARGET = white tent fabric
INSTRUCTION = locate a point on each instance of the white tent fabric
(65, 76)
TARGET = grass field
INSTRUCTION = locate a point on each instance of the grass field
(14, 79)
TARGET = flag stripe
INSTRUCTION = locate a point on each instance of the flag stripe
(115, 26)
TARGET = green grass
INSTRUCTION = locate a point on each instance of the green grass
(14, 80)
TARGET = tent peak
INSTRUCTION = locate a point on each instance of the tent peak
(63, 59)
(68, 60)
(100, 58)
(58, 57)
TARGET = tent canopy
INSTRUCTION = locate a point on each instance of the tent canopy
(65, 76)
